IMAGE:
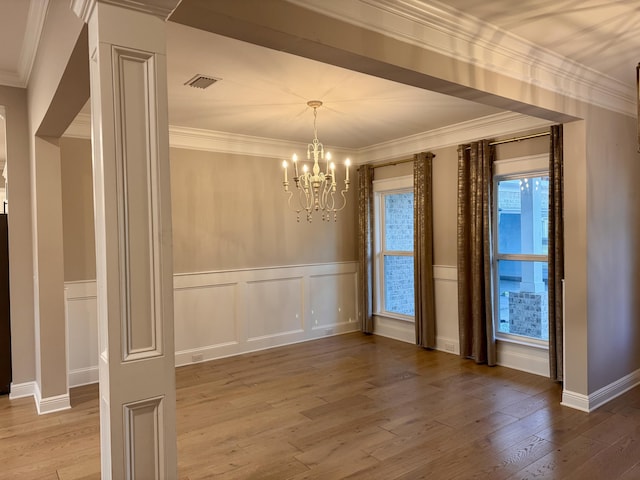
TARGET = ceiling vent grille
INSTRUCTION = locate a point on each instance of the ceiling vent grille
(202, 81)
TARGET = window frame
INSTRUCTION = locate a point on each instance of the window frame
(513, 169)
(382, 188)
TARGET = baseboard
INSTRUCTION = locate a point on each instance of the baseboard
(448, 345)
(613, 390)
(21, 390)
(51, 404)
(524, 358)
(396, 329)
(575, 400)
(589, 403)
(83, 376)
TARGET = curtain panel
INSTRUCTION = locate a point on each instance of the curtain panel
(424, 287)
(556, 253)
(365, 247)
(475, 311)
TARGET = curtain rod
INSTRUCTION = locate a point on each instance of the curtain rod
(517, 139)
(394, 162)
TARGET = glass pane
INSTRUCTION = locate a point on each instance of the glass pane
(523, 297)
(398, 218)
(398, 284)
(523, 215)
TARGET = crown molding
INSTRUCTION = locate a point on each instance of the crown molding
(496, 125)
(499, 124)
(438, 27)
(10, 78)
(33, 31)
(212, 141)
(159, 8)
(233, 143)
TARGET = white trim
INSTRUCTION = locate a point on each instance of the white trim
(50, 404)
(523, 357)
(83, 376)
(393, 328)
(613, 390)
(406, 332)
(235, 143)
(33, 31)
(575, 400)
(10, 78)
(588, 403)
(21, 390)
(448, 345)
(438, 27)
(81, 289)
(159, 8)
(499, 124)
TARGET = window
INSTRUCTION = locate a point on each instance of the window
(520, 251)
(394, 248)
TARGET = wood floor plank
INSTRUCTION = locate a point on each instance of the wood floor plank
(351, 406)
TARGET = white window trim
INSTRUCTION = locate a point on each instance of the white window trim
(504, 170)
(380, 188)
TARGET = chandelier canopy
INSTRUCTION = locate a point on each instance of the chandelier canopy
(316, 190)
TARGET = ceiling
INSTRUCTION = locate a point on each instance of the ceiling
(263, 92)
(600, 34)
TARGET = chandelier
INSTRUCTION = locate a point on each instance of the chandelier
(316, 190)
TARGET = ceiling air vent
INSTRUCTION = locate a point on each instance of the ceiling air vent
(202, 81)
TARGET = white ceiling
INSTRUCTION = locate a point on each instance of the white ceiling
(264, 92)
(600, 34)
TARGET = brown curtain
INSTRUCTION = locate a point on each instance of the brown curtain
(556, 253)
(475, 313)
(425, 314)
(365, 246)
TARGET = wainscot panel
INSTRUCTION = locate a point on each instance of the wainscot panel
(219, 314)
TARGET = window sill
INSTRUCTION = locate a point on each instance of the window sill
(392, 316)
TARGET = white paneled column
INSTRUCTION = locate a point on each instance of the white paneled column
(133, 236)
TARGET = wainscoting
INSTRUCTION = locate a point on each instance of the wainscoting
(219, 314)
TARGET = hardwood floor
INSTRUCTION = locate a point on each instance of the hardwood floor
(351, 406)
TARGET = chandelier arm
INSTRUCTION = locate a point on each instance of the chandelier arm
(303, 197)
(344, 200)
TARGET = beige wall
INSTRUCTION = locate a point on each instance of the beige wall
(613, 236)
(77, 210)
(229, 212)
(20, 260)
(217, 225)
